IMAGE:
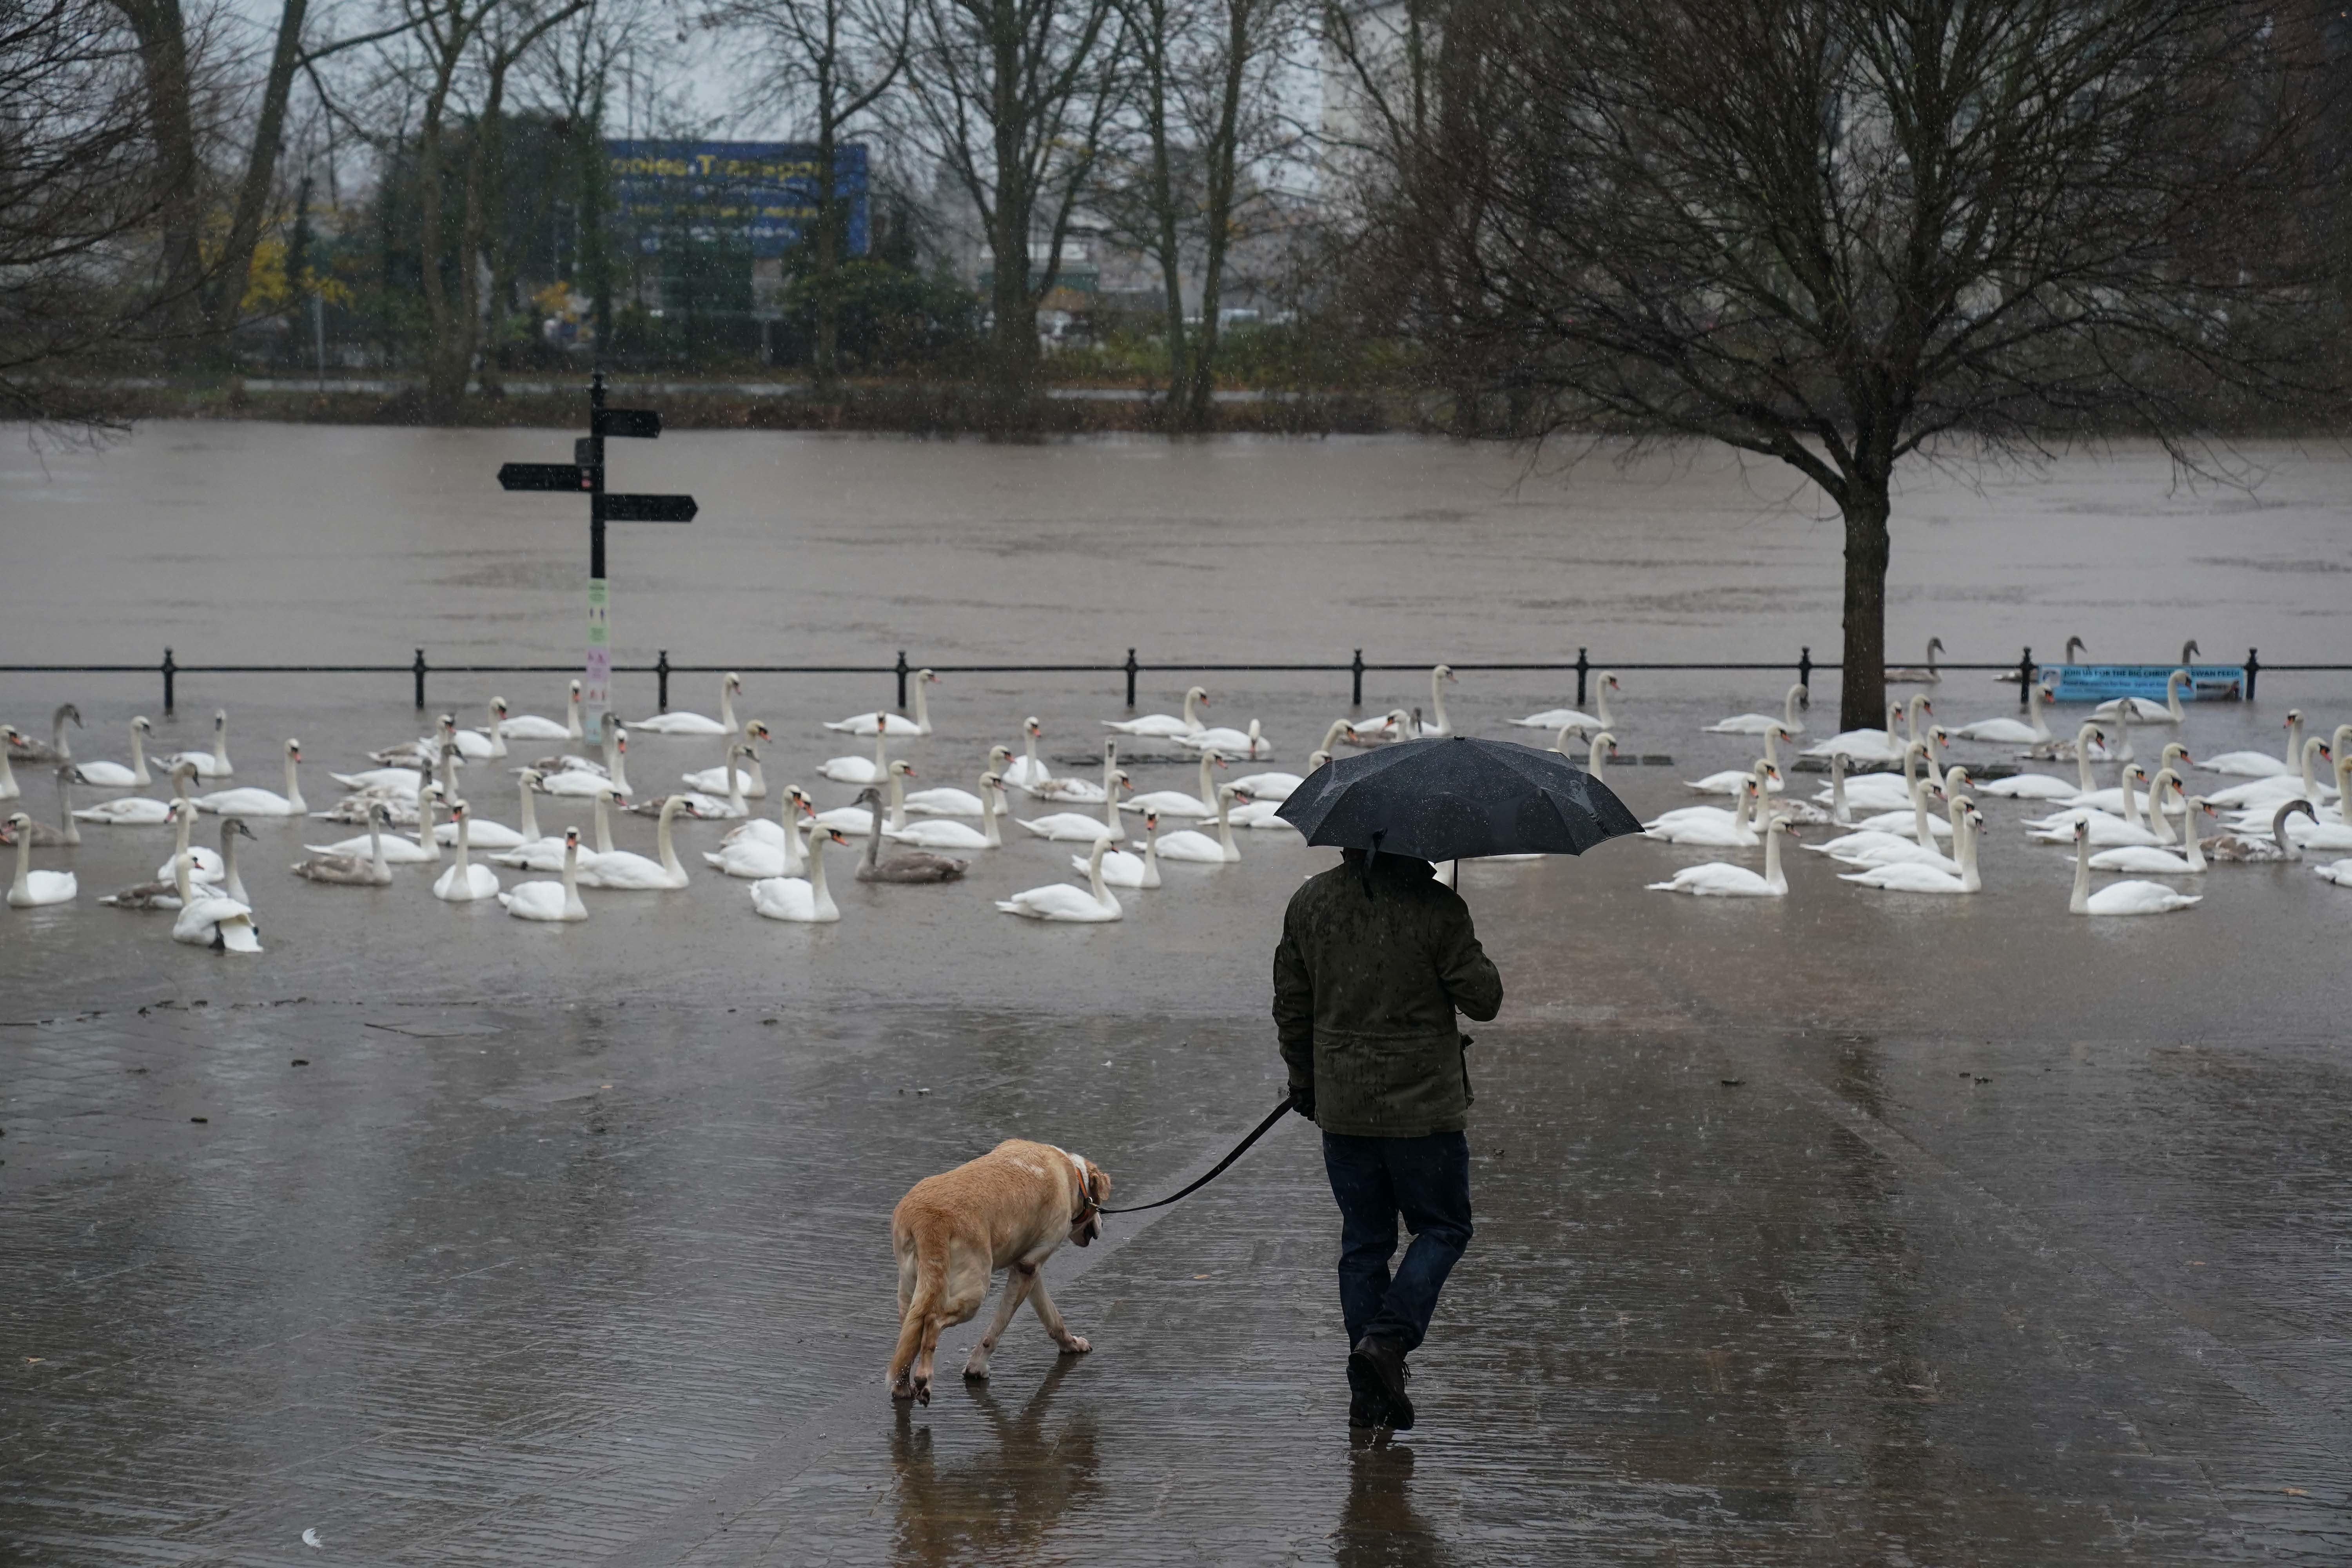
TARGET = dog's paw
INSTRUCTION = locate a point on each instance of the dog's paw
(902, 1391)
(923, 1392)
(1075, 1345)
(975, 1370)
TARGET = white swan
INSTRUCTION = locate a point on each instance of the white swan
(1889, 830)
(489, 743)
(2150, 861)
(758, 857)
(2106, 830)
(858, 769)
(1716, 880)
(695, 723)
(425, 748)
(464, 882)
(807, 902)
(893, 724)
(2262, 765)
(250, 802)
(2141, 710)
(1917, 675)
(1882, 847)
(33, 888)
(1122, 869)
(1276, 786)
(1915, 878)
(2047, 787)
(1026, 773)
(114, 775)
(546, 854)
(495, 837)
(1395, 725)
(854, 820)
(586, 784)
(2118, 897)
(1875, 745)
(423, 850)
(1437, 724)
(2269, 794)
(1200, 847)
(1175, 802)
(633, 873)
(1254, 813)
(1738, 812)
(531, 726)
(369, 870)
(1708, 832)
(208, 919)
(2033, 730)
(794, 805)
(9, 788)
(721, 780)
(212, 764)
(732, 808)
(1605, 682)
(1885, 791)
(2315, 834)
(206, 864)
(403, 775)
(2336, 871)
(1161, 726)
(1071, 826)
(946, 800)
(551, 900)
(1763, 723)
(139, 811)
(1250, 745)
(940, 833)
(1061, 901)
(1729, 780)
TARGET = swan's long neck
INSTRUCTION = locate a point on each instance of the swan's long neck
(988, 815)
(294, 786)
(735, 784)
(2172, 685)
(1339, 727)
(72, 829)
(1919, 828)
(1191, 715)
(2081, 902)
(1036, 773)
(1208, 784)
(1788, 707)
(1111, 803)
(1773, 879)
(2034, 718)
(496, 729)
(2192, 846)
(922, 706)
(2158, 822)
(1895, 718)
(2311, 752)
(1152, 854)
(376, 862)
(231, 883)
(572, 729)
(1595, 756)
(180, 824)
(1225, 826)
(1840, 812)
(139, 774)
(572, 877)
(663, 845)
(57, 742)
(449, 772)
(819, 894)
(180, 877)
(874, 836)
(530, 817)
(1911, 716)
(1740, 807)
(796, 852)
(2082, 759)
(2344, 787)
(464, 867)
(1772, 747)
(2294, 739)
(727, 706)
(897, 802)
(22, 887)
(1964, 841)
(220, 744)
(1600, 705)
(604, 821)
(2131, 798)
(1094, 871)
(617, 762)
(1437, 699)
(8, 777)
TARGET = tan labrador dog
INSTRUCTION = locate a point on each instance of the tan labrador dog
(1011, 1209)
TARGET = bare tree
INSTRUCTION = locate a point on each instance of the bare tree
(826, 63)
(1205, 106)
(77, 193)
(1841, 232)
(1016, 94)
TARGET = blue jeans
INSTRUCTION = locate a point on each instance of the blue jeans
(1375, 1179)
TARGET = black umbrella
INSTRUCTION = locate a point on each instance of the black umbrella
(1455, 799)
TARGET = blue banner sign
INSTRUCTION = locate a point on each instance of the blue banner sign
(2105, 683)
(759, 194)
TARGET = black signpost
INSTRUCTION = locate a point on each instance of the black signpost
(584, 475)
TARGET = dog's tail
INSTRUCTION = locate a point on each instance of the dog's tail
(922, 1306)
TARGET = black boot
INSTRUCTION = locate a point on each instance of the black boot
(1376, 1375)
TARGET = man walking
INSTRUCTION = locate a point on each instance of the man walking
(1376, 958)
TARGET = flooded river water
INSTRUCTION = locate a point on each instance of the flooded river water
(1841, 1228)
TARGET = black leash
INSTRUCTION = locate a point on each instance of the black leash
(1260, 1130)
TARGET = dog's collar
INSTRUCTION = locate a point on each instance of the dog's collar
(1087, 1204)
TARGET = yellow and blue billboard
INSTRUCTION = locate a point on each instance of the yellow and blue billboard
(759, 194)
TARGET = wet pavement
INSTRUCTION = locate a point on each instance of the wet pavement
(1840, 1229)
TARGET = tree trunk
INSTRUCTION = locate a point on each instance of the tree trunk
(164, 59)
(828, 367)
(1861, 703)
(226, 299)
(1013, 339)
(1224, 151)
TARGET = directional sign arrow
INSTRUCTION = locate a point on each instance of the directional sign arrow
(543, 476)
(649, 508)
(643, 424)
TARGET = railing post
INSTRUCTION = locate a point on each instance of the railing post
(1583, 669)
(2027, 670)
(1356, 695)
(2253, 669)
(901, 673)
(661, 682)
(170, 671)
(417, 670)
(1131, 669)
(1805, 669)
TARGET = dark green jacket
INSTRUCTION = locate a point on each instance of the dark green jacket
(1366, 984)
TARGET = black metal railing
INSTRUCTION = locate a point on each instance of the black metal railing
(418, 669)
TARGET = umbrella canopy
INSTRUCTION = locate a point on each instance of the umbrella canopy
(1458, 798)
